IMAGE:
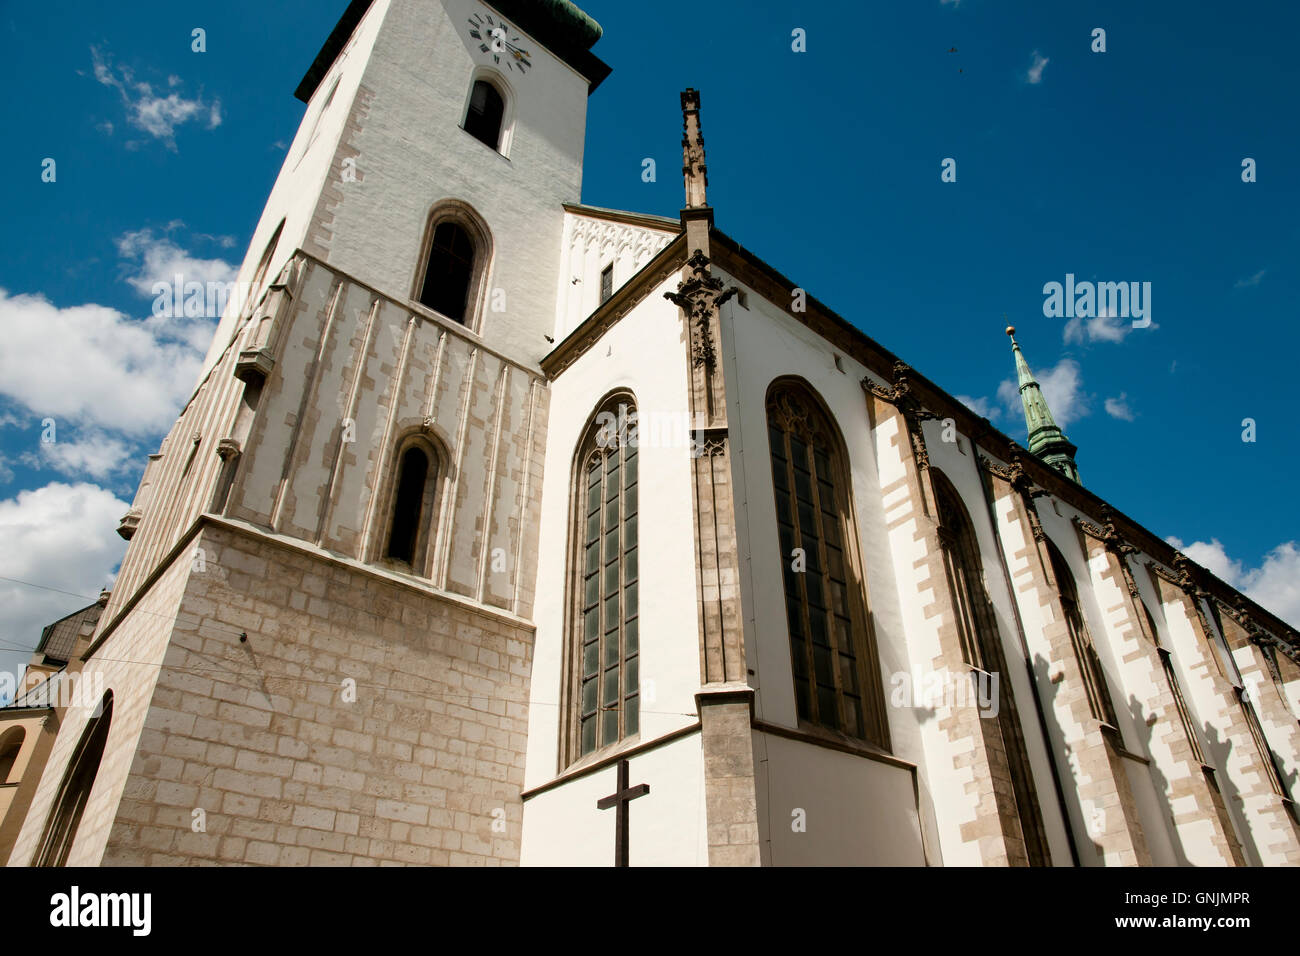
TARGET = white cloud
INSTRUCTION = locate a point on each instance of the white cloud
(62, 537)
(1034, 75)
(1275, 584)
(1118, 408)
(1252, 281)
(982, 407)
(159, 259)
(145, 110)
(93, 365)
(1062, 387)
(1103, 328)
(97, 455)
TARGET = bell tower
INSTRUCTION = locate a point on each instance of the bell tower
(439, 141)
(359, 461)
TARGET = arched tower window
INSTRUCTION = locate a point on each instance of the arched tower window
(11, 746)
(981, 647)
(410, 516)
(604, 640)
(833, 654)
(1094, 677)
(74, 791)
(486, 113)
(448, 272)
(454, 262)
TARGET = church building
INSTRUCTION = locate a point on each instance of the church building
(503, 529)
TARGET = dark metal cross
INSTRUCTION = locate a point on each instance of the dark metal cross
(620, 800)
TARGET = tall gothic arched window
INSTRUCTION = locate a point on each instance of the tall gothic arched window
(74, 791)
(604, 641)
(981, 646)
(832, 650)
(485, 114)
(1094, 677)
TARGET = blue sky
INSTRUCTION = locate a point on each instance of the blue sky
(1115, 166)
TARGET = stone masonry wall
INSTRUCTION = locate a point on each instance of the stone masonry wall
(424, 766)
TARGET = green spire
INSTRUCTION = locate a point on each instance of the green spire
(1046, 440)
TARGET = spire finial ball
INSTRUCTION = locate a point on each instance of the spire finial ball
(1011, 330)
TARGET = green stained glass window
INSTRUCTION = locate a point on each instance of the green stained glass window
(834, 664)
(606, 661)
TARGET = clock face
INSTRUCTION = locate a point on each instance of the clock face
(497, 39)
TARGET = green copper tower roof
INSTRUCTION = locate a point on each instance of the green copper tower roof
(1046, 440)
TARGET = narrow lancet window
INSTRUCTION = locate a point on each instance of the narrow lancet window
(408, 505)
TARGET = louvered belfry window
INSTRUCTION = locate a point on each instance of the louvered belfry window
(836, 676)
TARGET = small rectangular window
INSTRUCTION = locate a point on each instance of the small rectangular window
(606, 282)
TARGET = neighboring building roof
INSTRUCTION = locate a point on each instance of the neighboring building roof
(557, 24)
(59, 640)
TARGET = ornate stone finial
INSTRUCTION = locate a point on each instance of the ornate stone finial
(699, 296)
(694, 171)
(1185, 574)
(899, 394)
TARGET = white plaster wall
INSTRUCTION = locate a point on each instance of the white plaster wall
(760, 344)
(867, 817)
(645, 354)
(590, 244)
(562, 827)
